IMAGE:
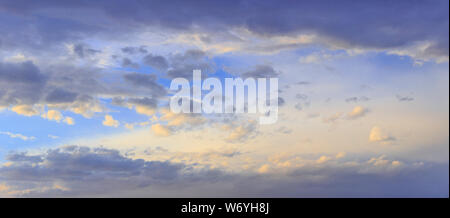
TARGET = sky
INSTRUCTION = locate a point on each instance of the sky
(363, 107)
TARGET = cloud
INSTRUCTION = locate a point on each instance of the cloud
(357, 99)
(27, 88)
(160, 130)
(126, 62)
(131, 126)
(381, 161)
(74, 166)
(261, 71)
(310, 59)
(57, 116)
(404, 98)
(357, 112)
(53, 136)
(19, 136)
(333, 118)
(69, 121)
(340, 155)
(264, 168)
(53, 115)
(61, 96)
(82, 171)
(302, 83)
(110, 121)
(145, 110)
(384, 26)
(147, 81)
(303, 101)
(422, 51)
(25, 110)
(240, 132)
(4, 188)
(180, 119)
(156, 61)
(79, 79)
(84, 51)
(284, 130)
(380, 135)
(182, 64)
(133, 50)
(144, 106)
(323, 159)
(20, 83)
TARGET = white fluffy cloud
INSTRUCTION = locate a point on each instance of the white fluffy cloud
(110, 121)
(357, 112)
(57, 116)
(378, 134)
(53, 115)
(69, 121)
(26, 110)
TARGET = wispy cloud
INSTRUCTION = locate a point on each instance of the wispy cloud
(18, 136)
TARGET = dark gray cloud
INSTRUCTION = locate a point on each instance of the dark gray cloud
(404, 98)
(189, 55)
(66, 87)
(84, 51)
(185, 70)
(357, 99)
(25, 72)
(182, 65)
(348, 182)
(20, 30)
(77, 89)
(373, 24)
(82, 171)
(301, 83)
(172, 66)
(74, 165)
(156, 61)
(134, 50)
(146, 81)
(261, 71)
(61, 96)
(20, 83)
(24, 157)
(126, 62)
(149, 102)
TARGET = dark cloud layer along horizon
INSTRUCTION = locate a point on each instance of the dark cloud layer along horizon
(83, 171)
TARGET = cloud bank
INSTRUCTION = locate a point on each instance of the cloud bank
(83, 171)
